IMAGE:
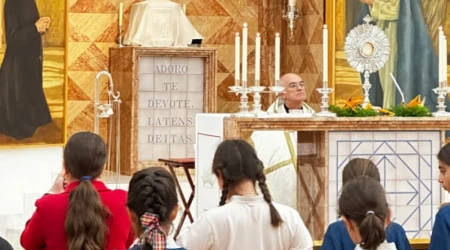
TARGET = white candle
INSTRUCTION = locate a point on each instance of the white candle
(277, 57)
(325, 54)
(257, 58)
(445, 59)
(440, 57)
(120, 13)
(244, 52)
(237, 42)
(292, 3)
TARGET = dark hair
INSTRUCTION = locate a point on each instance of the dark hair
(444, 154)
(363, 201)
(85, 225)
(152, 190)
(237, 161)
(359, 167)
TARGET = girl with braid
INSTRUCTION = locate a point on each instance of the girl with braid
(85, 215)
(245, 219)
(153, 205)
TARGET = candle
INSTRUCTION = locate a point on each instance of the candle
(120, 13)
(244, 53)
(237, 42)
(325, 56)
(440, 57)
(277, 58)
(292, 3)
(257, 58)
(444, 67)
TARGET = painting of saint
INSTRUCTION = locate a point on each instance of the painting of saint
(412, 29)
(31, 88)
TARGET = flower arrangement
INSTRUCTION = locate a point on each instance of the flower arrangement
(353, 108)
(414, 108)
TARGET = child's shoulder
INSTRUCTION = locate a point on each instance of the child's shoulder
(444, 210)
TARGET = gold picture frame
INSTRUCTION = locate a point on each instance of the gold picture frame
(55, 64)
(345, 80)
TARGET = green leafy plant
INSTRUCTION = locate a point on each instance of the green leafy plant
(416, 111)
(357, 111)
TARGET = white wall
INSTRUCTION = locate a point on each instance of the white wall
(25, 175)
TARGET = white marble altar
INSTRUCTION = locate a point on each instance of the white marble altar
(406, 159)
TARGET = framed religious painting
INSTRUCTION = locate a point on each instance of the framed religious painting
(33, 72)
(412, 31)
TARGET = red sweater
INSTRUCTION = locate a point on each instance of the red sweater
(45, 229)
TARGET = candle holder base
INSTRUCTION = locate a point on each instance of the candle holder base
(324, 107)
(257, 91)
(257, 98)
(243, 107)
(442, 92)
(441, 114)
(277, 89)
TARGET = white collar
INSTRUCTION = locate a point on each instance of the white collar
(383, 246)
(170, 243)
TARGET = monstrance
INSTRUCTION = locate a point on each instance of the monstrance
(367, 50)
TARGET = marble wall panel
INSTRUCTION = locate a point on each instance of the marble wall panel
(93, 30)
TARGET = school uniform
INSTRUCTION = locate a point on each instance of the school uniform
(170, 245)
(45, 229)
(244, 223)
(337, 237)
(440, 237)
(382, 246)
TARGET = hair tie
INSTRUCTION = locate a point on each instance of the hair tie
(370, 212)
(153, 234)
(85, 178)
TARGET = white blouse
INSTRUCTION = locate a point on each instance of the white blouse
(383, 246)
(244, 223)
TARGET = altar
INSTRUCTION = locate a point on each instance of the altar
(404, 149)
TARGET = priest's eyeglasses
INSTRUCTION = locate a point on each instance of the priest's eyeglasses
(296, 85)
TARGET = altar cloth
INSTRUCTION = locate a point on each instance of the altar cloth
(159, 23)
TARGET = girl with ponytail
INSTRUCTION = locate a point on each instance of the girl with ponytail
(365, 212)
(85, 215)
(245, 219)
(337, 237)
(153, 205)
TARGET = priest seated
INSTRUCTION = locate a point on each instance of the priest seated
(278, 149)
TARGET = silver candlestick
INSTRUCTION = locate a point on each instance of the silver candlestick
(243, 91)
(325, 91)
(442, 92)
(256, 90)
(277, 88)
